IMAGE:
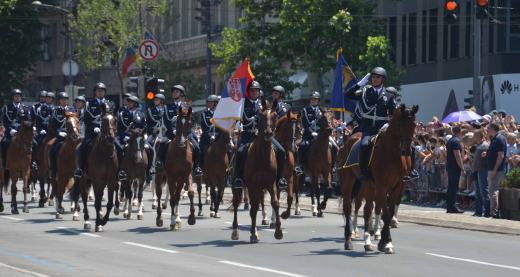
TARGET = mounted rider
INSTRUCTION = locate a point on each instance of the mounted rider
(279, 106)
(92, 119)
(209, 132)
(252, 108)
(128, 118)
(311, 115)
(42, 114)
(79, 107)
(59, 120)
(155, 129)
(375, 105)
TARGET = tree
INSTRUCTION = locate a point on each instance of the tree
(378, 54)
(165, 69)
(281, 37)
(19, 26)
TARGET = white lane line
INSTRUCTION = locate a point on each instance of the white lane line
(23, 270)
(259, 268)
(12, 218)
(474, 261)
(78, 232)
(150, 247)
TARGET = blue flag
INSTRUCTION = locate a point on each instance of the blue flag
(344, 79)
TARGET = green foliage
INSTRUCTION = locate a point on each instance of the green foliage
(512, 179)
(378, 54)
(195, 86)
(20, 47)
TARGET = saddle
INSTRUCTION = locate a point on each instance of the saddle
(353, 155)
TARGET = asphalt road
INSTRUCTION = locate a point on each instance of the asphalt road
(36, 244)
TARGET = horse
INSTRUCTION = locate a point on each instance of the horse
(42, 171)
(135, 163)
(64, 167)
(321, 163)
(260, 174)
(177, 171)
(101, 171)
(215, 169)
(19, 155)
(388, 166)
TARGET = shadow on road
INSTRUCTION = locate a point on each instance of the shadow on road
(148, 230)
(215, 243)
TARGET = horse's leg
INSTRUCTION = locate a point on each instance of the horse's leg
(265, 219)
(98, 197)
(50, 191)
(154, 196)
(367, 214)
(43, 196)
(166, 198)
(377, 224)
(317, 193)
(290, 196)
(237, 195)
(191, 195)
(275, 203)
(254, 238)
(219, 195)
(214, 198)
(385, 244)
(208, 195)
(110, 204)
(116, 200)
(1, 195)
(135, 201)
(75, 199)
(245, 194)
(26, 189)
(328, 189)
(172, 190)
(157, 187)
(127, 213)
(14, 190)
(395, 222)
(85, 189)
(297, 183)
(199, 192)
(140, 214)
(347, 184)
(357, 205)
(60, 190)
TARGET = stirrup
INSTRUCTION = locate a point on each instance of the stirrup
(34, 166)
(282, 183)
(298, 170)
(122, 175)
(78, 173)
(159, 164)
(197, 171)
(238, 184)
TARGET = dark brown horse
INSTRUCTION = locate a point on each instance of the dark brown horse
(101, 171)
(177, 171)
(42, 172)
(260, 174)
(18, 163)
(64, 165)
(387, 167)
(135, 163)
(215, 169)
(319, 163)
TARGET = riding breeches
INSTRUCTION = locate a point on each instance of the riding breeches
(81, 152)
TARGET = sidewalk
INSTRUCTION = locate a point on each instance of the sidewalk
(424, 216)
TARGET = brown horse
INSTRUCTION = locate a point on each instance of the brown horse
(18, 163)
(260, 174)
(64, 166)
(42, 172)
(101, 171)
(319, 163)
(388, 167)
(135, 163)
(215, 169)
(177, 171)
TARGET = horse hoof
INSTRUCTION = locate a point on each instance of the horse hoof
(159, 222)
(314, 213)
(272, 225)
(265, 222)
(217, 215)
(191, 219)
(126, 215)
(134, 203)
(234, 235)
(278, 234)
(154, 206)
(164, 206)
(246, 207)
(33, 199)
(323, 205)
(394, 223)
(175, 227)
(59, 216)
(377, 237)
(349, 245)
(51, 203)
(208, 202)
(140, 217)
(285, 215)
(71, 210)
(15, 211)
(320, 214)
(87, 226)
(389, 250)
(61, 210)
(25, 209)
(75, 218)
(297, 212)
(212, 214)
(355, 235)
(41, 204)
(369, 248)
(1, 208)
(253, 239)
(200, 213)
(99, 228)
(116, 211)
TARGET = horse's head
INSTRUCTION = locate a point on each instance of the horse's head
(72, 125)
(326, 122)
(402, 126)
(136, 143)
(108, 128)
(266, 120)
(183, 125)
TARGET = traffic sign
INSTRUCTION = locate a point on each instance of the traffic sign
(149, 50)
(70, 68)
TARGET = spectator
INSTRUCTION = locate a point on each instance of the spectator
(480, 167)
(512, 150)
(454, 167)
(496, 165)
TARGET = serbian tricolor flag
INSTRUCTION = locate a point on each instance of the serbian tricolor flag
(231, 104)
(129, 61)
(344, 79)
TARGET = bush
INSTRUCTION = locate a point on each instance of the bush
(512, 179)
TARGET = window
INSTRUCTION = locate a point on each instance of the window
(467, 35)
(454, 41)
(424, 36)
(514, 37)
(392, 34)
(185, 18)
(412, 38)
(432, 35)
(501, 28)
(445, 41)
(403, 41)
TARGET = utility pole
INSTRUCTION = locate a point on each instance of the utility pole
(205, 19)
(477, 49)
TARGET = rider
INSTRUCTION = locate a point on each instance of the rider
(129, 118)
(58, 120)
(79, 107)
(50, 99)
(92, 119)
(154, 127)
(372, 112)
(252, 108)
(311, 115)
(280, 107)
(42, 113)
(209, 132)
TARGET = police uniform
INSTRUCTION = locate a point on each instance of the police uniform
(310, 117)
(279, 106)
(127, 120)
(42, 114)
(209, 133)
(58, 120)
(12, 116)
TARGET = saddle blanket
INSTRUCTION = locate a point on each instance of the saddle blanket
(353, 156)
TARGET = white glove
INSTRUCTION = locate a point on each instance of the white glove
(97, 130)
(62, 134)
(13, 132)
(364, 81)
(145, 136)
(314, 134)
(43, 132)
(126, 138)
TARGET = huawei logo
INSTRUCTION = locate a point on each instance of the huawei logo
(506, 87)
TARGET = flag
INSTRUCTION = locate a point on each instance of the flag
(231, 104)
(129, 60)
(344, 79)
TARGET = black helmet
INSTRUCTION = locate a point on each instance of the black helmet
(212, 98)
(42, 93)
(100, 85)
(392, 91)
(379, 71)
(134, 99)
(280, 89)
(255, 85)
(81, 98)
(180, 88)
(16, 92)
(63, 95)
(51, 94)
(315, 95)
(160, 96)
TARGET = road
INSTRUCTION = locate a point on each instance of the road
(36, 244)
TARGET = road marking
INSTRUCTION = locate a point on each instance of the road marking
(78, 232)
(150, 247)
(474, 261)
(12, 218)
(259, 268)
(23, 270)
